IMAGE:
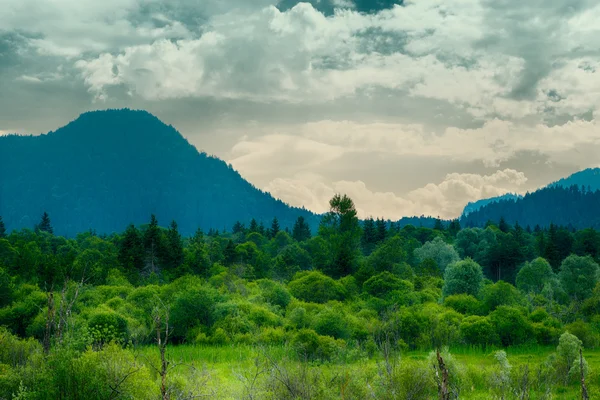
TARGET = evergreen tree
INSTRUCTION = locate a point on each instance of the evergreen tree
(131, 251)
(341, 226)
(198, 236)
(369, 236)
(174, 253)
(2, 228)
(238, 227)
(381, 226)
(253, 226)
(454, 227)
(551, 252)
(503, 225)
(153, 246)
(301, 230)
(44, 224)
(438, 226)
(229, 253)
(261, 229)
(274, 228)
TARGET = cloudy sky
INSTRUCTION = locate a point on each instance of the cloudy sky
(411, 108)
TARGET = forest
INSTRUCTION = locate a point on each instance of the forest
(354, 310)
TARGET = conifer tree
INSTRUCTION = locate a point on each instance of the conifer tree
(253, 226)
(381, 226)
(301, 230)
(274, 228)
(369, 236)
(153, 245)
(503, 225)
(439, 226)
(229, 253)
(45, 225)
(131, 250)
(175, 247)
(238, 227)
(454, 227)
(2, 228)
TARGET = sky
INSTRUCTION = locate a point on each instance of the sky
(409, 108)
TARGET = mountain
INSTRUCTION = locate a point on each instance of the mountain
(564, 206)
(110, 168)
(588, 178)
(474, 206)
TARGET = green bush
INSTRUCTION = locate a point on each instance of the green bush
(107, 326)
(463, 277)
(479, 330)
(382, 284)
(275, 293)
(463, 303)
(313, 346)
(511, 325)
(316, 287)
(332, 323)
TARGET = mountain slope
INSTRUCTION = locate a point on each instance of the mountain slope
(553, 204)
(588, 178)
(474, 206)
(110, 168)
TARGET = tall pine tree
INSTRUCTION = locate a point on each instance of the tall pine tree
(381, 226)
(153, 246)
(301, 231)
(174, 251)
(45, 225)
(131, 251)
(274, 228)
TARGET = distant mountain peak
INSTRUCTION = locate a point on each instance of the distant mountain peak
(109, 168)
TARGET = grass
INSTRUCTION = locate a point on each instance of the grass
(226, 362)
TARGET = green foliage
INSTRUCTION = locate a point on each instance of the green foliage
(191, 309)
(441, 252)
(314, 286)
(107, 326)
(463, 277)
(500, 294)
(578, 276)
(384, 283)
(534, 275)
(463, 303)
(479, 330)
(511, 326)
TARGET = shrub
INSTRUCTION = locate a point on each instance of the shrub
(275, 293)
(511, 326)
(313, 346)
(107, 326)
(479, 330)
(584, 332)
(463, 303)
(332, 323)
(382, 284)
(463, 277)
(316, 287)
(500, 294)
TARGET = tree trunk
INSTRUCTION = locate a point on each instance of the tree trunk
(584, 392)
(443, 390)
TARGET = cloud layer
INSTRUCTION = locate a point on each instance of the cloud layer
(413, 107)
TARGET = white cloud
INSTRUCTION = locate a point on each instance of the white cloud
(445, 199)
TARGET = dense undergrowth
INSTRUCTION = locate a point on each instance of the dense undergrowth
(351, 312)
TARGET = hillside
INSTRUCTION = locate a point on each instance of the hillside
(554, 204)
(476, 205)
(108, 169)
